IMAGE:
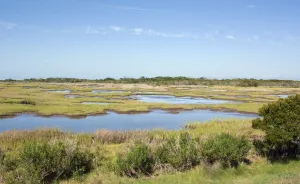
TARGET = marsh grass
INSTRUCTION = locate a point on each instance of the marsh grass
(11, 96)
(106, 145)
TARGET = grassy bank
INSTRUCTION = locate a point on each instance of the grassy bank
(107, 145)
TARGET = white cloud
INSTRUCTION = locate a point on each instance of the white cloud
(116, 28)
(230, 37)
(130, 8)
(90, 30)
(150, 32)
(138, 31)
(251, 6)
(7, 25)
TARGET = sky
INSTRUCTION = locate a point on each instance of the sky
(132, 38)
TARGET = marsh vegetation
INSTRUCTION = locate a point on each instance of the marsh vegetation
(250, 151)
(211, 152)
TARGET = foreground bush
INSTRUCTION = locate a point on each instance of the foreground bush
(47, 163)
(138, 161)
(2, 156)
(226, 150)
(181, 153)
(281, 123)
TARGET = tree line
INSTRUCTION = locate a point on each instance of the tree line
(166, 80)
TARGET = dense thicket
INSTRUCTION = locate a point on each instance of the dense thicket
(281, 123)
(173, 81)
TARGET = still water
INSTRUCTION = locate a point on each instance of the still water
(113, 121)
(176, 100)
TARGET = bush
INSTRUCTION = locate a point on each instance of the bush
(181, 153)
(27, 102)
(46, 163)
(225, 149)
(138, 161)
(281, 123)
(248, 83)
(2, 156)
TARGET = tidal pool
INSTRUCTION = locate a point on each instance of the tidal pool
(73, 96)
(282, 96)
(176, 100)
(59, 91)
(107, 91)
(95, 103)
(30, 87)
(113, 121)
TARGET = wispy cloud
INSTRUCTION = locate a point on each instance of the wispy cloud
(253, 38)
(130, 8)
(91, 30)
(150, 32)
(138, 31)
(208, 36)
(250, 6)
(7, 25)
(116, 28)
(230, 37)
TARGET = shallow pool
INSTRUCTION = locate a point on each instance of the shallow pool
(108, 91)
(176, 100)
(113, 121)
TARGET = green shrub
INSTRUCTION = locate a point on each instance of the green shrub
(2, 156)
(27, 102)
(225, 149)
(46, 163)
(247, 83)
(9, 162)
(181, 152)
(138, 161)
(281, 123)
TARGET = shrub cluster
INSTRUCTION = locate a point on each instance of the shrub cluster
(2, 156)
(225, 149)
(27, 102)
(281, 123)
(247, 83)
(138, 161)
(182, 153)
(46, 163)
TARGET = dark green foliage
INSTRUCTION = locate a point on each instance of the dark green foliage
(281, 123)
(180, 80)
(138, 161)
(2, 156)
(27, 102)
(181, 153)
(248, 83)
(225, 149)
(46, 163)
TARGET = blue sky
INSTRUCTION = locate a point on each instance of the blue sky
(133, 38)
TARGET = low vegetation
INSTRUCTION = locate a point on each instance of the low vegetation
(138, 161)
(227, 150)
(180, 153)
(45, 163)
(211, 152)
